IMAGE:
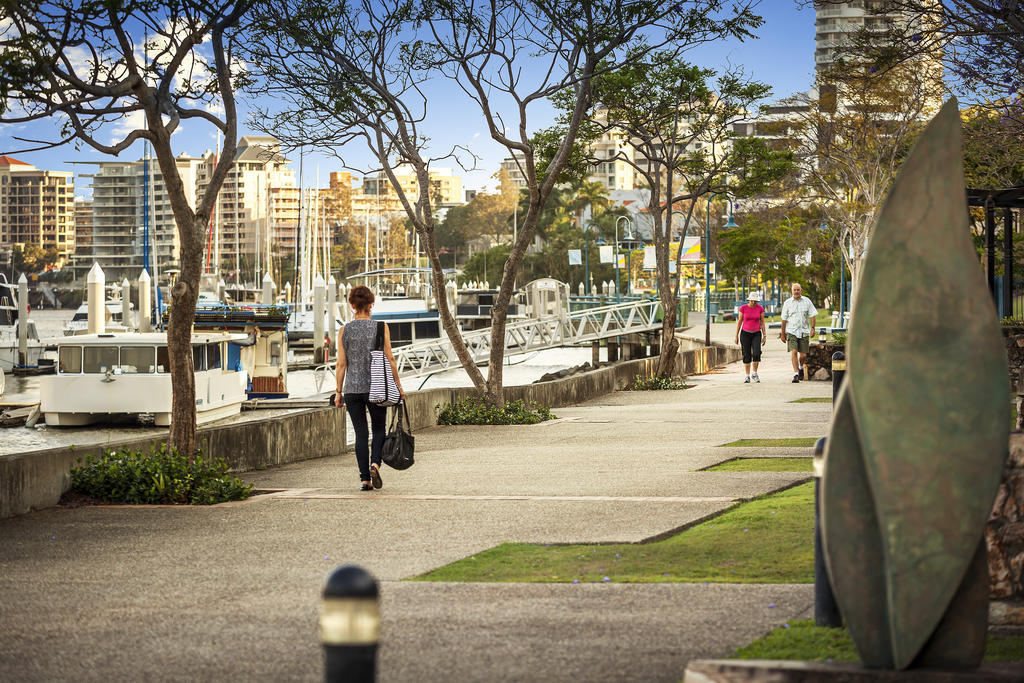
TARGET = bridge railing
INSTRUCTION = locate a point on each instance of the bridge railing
(533, 334)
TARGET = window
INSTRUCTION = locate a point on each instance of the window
(213, 356)
(70, 359)
(98, 359)
(138, 359)
(163, 360)
(198, 358)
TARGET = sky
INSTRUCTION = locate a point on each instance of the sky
(781, 56)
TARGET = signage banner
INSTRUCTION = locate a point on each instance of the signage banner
(650, 261)
(575, 257)
(606, 254)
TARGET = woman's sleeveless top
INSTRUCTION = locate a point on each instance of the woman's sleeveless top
(358, 337)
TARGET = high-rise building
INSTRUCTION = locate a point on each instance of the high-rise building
(132, 219)
(257, 213)
(836, 24)
(445, 186)
(36, 207)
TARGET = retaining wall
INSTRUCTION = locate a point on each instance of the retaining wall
(37, 479)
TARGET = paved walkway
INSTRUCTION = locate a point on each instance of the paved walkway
(231, 592)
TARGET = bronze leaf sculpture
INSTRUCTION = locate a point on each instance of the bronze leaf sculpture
(919, 432)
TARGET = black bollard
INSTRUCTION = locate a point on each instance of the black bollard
(826, 611)
(838, 372)
(349, 624)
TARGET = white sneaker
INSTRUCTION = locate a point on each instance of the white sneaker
(746, 380)
(755, 378)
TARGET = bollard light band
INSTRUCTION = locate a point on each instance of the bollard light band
(349, 621)
(838, 365)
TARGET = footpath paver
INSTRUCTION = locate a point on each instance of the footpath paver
(231, 592)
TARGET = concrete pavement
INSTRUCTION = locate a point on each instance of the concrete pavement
(231, 592)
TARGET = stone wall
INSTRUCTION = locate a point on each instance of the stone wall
(1004, 535)
(37, 479)
(1014, 338)
(819, 357)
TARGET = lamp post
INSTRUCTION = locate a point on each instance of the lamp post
(707, 262)
(586, 260)
(628, 236)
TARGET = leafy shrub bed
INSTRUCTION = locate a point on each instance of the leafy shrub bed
(474, 411)
(162, 476)
(657, 383)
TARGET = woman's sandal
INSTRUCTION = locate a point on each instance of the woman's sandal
(375, 477)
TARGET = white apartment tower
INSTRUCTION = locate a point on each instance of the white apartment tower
(836, 24)
(257, 214)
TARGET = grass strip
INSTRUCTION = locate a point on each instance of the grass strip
(763, 465)
(793, 442)
(816, 399)
(802, 640)
(767, 540)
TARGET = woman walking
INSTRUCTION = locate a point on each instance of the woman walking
(358, 338)
(751, 335)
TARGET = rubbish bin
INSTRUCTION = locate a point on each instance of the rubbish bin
(713, 310)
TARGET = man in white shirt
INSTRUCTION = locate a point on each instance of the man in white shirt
(798, 314)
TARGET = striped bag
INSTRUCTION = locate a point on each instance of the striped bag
(383, 388)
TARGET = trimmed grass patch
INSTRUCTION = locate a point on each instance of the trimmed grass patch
(817, 399)
(802, 640)
(794, 442)
(764, 465)
(767, 540)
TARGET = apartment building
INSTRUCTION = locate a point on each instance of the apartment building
(257, 213)
(36, 207)
(130, 216)
(445, 188)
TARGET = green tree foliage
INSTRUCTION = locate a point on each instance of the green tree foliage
(31, 258)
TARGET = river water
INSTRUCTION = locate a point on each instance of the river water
(50, 323)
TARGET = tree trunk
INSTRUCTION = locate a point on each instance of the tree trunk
(179, 344)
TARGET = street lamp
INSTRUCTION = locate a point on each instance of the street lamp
(586, 259)
(707, 262)
(628, 236)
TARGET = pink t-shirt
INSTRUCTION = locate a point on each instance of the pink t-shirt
(751, 317)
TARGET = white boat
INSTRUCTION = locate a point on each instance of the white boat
(9, 332)
(79, 323)
(102, 376)
(301, 323)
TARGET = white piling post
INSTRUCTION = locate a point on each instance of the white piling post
(22, 320)
(593, 290)
(95, 282)
(145, 302)
(318, 317)
(580, 288)
(126, 305)
(268, 289)
(451, 293)
(287, 292)
(332, 312)
(222, 289)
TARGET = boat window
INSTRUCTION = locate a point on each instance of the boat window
(136, 359)
(7, 316)
(213, 356)
(70, 359)
(99, 358)
(198, 357)
(163, 360)
(275, 353)
(80, 315)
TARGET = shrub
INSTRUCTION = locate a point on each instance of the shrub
(657, 383)
(839, 339)
(163, 476)
(474, 411)
(1012, 322)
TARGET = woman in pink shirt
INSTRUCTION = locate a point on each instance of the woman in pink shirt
(750, 334)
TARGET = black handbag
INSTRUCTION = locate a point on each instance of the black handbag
(399, 442)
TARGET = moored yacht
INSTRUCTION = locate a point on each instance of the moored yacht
(102, 376)
(9, 325)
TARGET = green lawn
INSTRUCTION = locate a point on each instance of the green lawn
(804, 641)
(817, 399)
(795, 442)
(764, 465)
(766, 540)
